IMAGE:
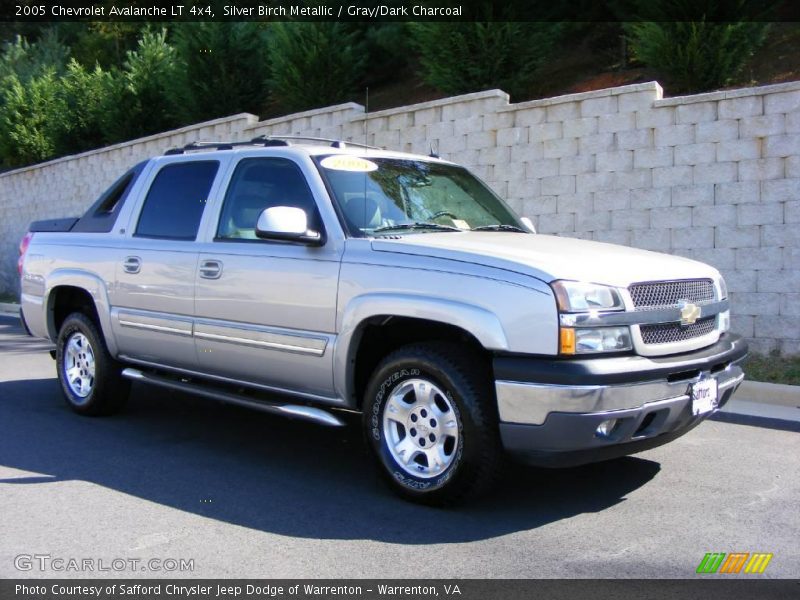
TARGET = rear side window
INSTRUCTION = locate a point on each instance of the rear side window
(102, 215)
(176, 199)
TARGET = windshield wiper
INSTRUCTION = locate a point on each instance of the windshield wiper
(500, 227)
(416, 225)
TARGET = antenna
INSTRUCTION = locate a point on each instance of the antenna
(366, 140)
(366, 114)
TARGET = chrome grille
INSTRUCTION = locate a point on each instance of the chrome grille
(665, 333)
(665, 294)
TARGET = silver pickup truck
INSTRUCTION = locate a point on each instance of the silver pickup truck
(312, 279)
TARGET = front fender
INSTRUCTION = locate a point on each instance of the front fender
(482, 324)
(92, 284)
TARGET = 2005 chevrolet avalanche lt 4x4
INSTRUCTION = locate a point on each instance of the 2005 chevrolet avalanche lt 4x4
(307, 279)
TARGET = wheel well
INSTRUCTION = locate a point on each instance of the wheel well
(65, 300)
(381, 335)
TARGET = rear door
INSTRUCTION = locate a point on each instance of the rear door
(154, 288)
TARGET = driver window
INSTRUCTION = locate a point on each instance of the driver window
(260, 183)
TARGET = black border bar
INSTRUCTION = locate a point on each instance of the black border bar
(706, 587)
(399, 10)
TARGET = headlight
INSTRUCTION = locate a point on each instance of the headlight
(723, 289)
(576, 296)
(724, 321)
(585, 340)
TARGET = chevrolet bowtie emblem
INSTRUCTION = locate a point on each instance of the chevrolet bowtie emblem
(689, 312)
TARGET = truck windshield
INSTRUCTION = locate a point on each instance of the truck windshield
(379, 196)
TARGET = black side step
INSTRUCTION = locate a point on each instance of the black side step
(297, 411)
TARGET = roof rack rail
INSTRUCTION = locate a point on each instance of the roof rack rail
(332, 142)
(262, 140)
(203, 145)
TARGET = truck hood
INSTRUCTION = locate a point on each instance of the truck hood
(549, 257)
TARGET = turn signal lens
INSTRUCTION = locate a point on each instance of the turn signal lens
(567, 340)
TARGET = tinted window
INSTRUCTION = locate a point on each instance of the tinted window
(260, 183)
(175, 202)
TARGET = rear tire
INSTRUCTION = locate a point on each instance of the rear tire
(430, 420)
(90, 377)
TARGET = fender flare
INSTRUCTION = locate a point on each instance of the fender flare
(479, 322)
(96, 288)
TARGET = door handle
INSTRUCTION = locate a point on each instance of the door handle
(210, 269)
(132, 264)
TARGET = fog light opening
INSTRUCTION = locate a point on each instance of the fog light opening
(606, 428)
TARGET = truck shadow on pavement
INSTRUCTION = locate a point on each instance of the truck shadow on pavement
(267, 473)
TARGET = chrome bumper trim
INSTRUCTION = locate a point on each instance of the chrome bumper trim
(530, 403)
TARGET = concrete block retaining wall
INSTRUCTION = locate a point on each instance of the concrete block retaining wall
(712, 176)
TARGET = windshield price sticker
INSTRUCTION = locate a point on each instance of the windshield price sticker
(353, 164)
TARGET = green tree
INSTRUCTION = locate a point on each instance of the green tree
(88, 96)
(143, 104)
(224, 69)
(102, 42)
(314, 64)
(388, 50)
(696, 45)
(27, 60)
(32, 115)
(469, 57)
(695, 56)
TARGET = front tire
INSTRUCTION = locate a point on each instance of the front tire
(430, 420)
(89, 376)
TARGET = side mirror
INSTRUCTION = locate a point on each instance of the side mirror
(528, 223)
(286, 223)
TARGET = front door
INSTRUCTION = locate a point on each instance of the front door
(265, 311)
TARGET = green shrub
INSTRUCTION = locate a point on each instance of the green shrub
(88, 98)
(32, 115)
(31, 109)
(388, 50)
(102, 42)
(224, 69)
(695, 56)
(314, 64)
(468, 57)
(26, 60)
(142, 102)
(697, 45)
(49, 109)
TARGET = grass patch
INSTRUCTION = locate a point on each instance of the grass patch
(773, 368)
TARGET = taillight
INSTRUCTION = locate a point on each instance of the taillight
(23, 248)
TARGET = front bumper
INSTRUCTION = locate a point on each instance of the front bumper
(550, 409)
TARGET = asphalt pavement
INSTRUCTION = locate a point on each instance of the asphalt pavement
(235, 493)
